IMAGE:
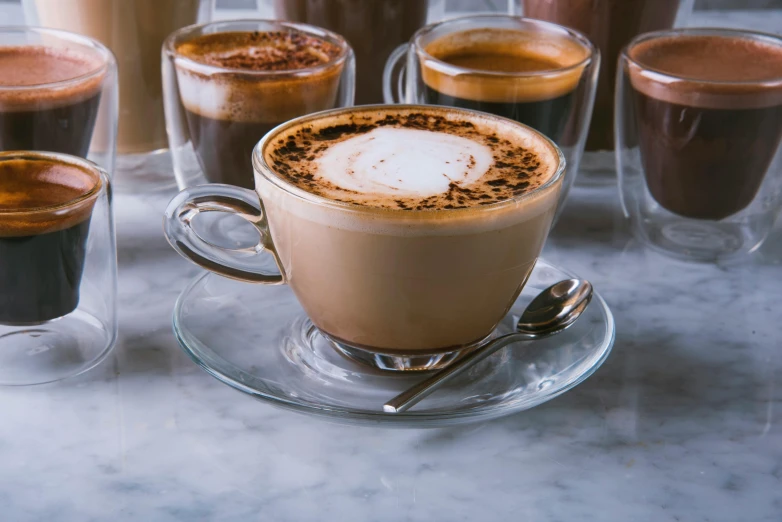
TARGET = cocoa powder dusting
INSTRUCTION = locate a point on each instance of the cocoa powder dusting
(260, 50)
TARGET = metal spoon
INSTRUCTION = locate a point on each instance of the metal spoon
(555, 309)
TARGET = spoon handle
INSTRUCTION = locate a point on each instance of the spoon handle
(412, 396)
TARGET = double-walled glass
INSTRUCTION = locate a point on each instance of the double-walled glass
(699, 160)
(556, 101)
(58, 94)
(216, 115)
(397, 288)
(58, 267)
(610, 25)
(134, 30)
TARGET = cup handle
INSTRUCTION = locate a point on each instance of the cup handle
(395, 67)
(240, 264)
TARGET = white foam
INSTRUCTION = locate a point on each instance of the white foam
(404, 162)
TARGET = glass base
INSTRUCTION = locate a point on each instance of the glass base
(54, 350)
(696, 240)
(400, 363)
(310, 344)
(597, 169)
(144, 172)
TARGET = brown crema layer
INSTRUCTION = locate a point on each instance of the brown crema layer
(232, 95)
(488, 53)
(260, 51)
(36, 77)
(40, 195)
(711, 71)
(520, 164)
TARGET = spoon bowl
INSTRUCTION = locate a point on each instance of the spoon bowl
(552, 311)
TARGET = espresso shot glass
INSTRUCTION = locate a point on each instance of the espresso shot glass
(536, 73)
(227, 84)
(699, 135)
(58, 283)
(134, 31)
(58, 93)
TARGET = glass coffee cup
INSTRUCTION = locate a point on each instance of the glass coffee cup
(58, 285)
(58, 93)
(134, 31)
(699, 140)
(412, 262)
(226, 84)
(537, 73)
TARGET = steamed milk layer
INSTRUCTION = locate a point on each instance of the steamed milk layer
(432, 208)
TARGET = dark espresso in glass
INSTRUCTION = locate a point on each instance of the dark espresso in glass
(373, 28)
(492, 75)
(707, 136)
(49, 99)
(252, 82)
(45, 208)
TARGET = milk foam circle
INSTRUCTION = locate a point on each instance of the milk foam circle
(404, 162)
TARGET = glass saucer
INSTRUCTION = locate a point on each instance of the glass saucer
(257, 339)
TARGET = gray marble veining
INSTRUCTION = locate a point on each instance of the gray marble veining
(683, 422)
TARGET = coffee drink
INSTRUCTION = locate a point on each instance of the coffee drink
(610, 25)
(236, 86)
(134, 31)
(45, 208)
(37, 112)
(407, 229)
(709, 119)
(373, 28)
(487, 77)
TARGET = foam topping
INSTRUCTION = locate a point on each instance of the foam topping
(43, 195)
(499, 59)
(413, 160)
(710, 71)
(404, 162)
(31, 66)
(260, 51)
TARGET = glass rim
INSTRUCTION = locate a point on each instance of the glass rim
(261, 167)
(771, 38)
(169, 47)
(86, 41)
(550, 27)
(102, 179)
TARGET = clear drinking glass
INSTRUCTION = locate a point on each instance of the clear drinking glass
(699, 161)
(557, 102)
(134, 30)
(372, 28)
(216, 115)
(610, 25)
(58, 94)
(58, 283)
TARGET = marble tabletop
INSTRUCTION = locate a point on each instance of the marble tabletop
(683, 422)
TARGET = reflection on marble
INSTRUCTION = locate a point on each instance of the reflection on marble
(683, 422)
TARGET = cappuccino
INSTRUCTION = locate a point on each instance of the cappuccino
(407, 230)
